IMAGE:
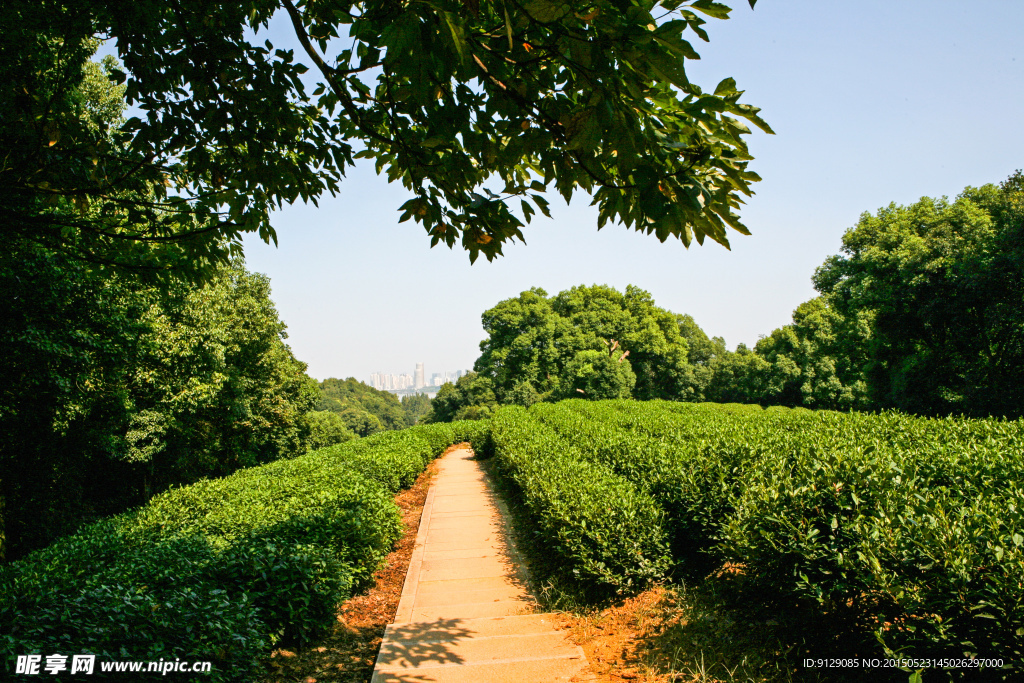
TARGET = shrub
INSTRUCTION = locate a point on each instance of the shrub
(326, 429)
(592, 526)
(223, 569)
(105, 593)
(913, 524)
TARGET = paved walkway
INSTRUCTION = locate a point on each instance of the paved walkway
(465, 613)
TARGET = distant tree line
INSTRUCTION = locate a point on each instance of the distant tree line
(361, 410)
(923, 311)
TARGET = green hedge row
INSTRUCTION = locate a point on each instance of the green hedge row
(595, 526)
(692, 488)
(916, 522)
(225, 569)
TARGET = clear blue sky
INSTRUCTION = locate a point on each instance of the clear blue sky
(872, 102)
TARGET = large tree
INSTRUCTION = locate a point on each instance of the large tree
(585, 339)
(470, 398)
(818, 361)
(468, 104)
(937, 289)
(112, 391)
(922, 311)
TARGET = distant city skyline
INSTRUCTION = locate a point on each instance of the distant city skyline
(415, 381)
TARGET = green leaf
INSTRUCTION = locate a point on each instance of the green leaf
(527, 210)
(726, 87)
(678, 46)
(583, 131)
(456, 34)
(668, 69)
(545, 11)
(582, 51)
(750, 114)
(712, 9)
(542, 204)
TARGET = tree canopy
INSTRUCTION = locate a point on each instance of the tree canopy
(593, 341)
(416, 406)
(366, 410)
(112, 391)
(936, 290)
(922, 311)
(470, 398)
(469, 104)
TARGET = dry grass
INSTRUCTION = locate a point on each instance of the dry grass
(674, 634)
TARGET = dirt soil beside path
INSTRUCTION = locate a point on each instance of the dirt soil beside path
(614, 639)
(671, 635)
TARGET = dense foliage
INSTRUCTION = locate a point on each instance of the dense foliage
(326, 429)
(912, 525)
(469, 106)
(364, 410)
(923, 311)
(470, 398)
(593, 341)
(221, 570)
(415, 407)
(112, 390)
(114, 385)
(938, 288)
(595, 526)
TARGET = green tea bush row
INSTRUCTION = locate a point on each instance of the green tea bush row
(690, 464)
(915, 522)
(224, 569)
(593, 525)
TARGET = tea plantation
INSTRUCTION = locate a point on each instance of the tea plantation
(912, 526)
(222, 570)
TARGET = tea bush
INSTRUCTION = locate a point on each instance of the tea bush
(913, 523)
(593, 525)
(223, 569)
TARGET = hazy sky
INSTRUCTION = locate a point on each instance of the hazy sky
(872, 102)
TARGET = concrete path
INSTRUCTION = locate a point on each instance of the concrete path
(465, 613)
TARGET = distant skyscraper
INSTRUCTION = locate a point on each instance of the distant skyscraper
(419, 376)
